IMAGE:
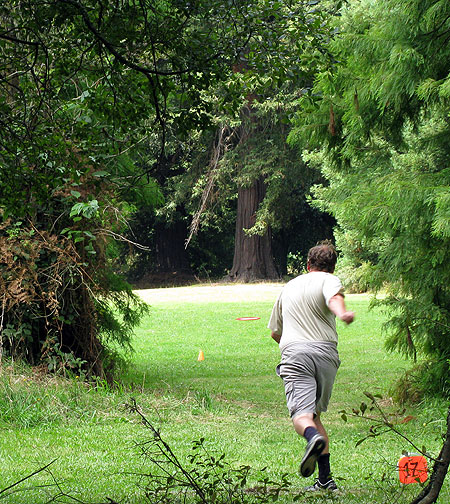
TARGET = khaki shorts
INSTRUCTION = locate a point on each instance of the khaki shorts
(308, 371)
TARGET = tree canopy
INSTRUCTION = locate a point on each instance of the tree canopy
(111, 106)
(378, 127)
(94, 94)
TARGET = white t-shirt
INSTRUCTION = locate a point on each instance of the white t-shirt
(301, 312)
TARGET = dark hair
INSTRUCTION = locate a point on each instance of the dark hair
(322, 257)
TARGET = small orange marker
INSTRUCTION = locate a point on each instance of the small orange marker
(412, 469)
(201, 356)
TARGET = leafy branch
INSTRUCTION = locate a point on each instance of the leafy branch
(381, 422)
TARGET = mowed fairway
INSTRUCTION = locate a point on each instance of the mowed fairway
(232, 398)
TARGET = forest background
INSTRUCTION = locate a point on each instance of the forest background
(144, 141)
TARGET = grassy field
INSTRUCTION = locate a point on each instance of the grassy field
(232, 399)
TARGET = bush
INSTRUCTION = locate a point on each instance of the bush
(61, 304)
(427, 379)
(205, 477)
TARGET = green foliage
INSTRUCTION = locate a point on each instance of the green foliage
(382, 117)
(242, 151)
(78, 95)
(61, 303)
(383, 423)
(427, 379)
(250, 106)
(96, 97)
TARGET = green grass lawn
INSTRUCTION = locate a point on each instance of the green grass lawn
(233, 399)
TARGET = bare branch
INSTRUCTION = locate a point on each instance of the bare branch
(10, 38)
(218, 150)
(27, 477)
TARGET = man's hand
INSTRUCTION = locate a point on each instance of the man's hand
(337, 306)
(348, 317)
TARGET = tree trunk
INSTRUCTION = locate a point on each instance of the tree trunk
(280, 248)
(171, 255)
(431, 492)
(253, 258)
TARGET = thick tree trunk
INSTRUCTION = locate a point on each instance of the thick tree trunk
(431, 492)
(171, 255)
(253, 258)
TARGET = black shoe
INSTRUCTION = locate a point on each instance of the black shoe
(312, 452)
(330, 485)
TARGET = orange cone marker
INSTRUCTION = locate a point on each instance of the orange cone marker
(201, 356)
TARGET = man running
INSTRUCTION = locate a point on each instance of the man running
(303, 324)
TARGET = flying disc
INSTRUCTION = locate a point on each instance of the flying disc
(248, 318)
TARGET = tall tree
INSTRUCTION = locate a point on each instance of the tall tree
(255, 178)
(253, 257)
(381, 128)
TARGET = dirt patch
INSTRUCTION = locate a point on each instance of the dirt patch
(218, 292)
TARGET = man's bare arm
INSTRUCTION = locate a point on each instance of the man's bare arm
(337, 306)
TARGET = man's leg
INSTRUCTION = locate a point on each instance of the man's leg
(324, 459)
(323, 432)
(317, 443)
(311, 428)
(302, 422)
